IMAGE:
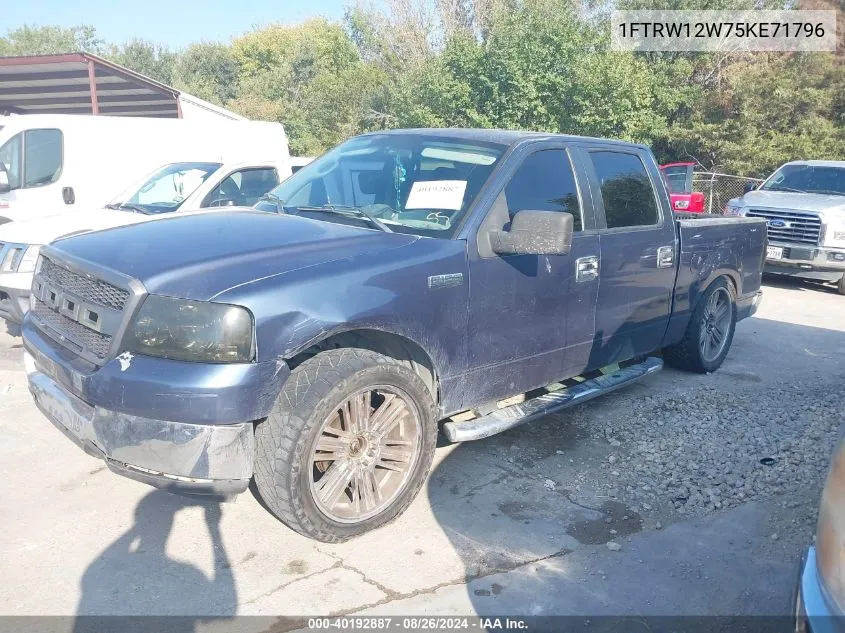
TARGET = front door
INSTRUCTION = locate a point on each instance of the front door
(33, 160)
(638, 254)
(531, 317)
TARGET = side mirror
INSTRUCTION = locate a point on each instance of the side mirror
(4, 179)
(535, 233)
(749, 186)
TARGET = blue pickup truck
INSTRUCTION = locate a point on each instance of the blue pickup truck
(404, 283)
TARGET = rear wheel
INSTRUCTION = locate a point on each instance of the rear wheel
(347, 446)
(709, 334)
(841, 286)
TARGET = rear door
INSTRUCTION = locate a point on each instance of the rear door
(638, 252)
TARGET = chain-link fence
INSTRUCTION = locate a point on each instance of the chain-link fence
(719, 188)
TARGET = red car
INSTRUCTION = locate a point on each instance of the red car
(679, 180)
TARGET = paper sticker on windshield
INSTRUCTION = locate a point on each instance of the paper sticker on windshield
(437, 194)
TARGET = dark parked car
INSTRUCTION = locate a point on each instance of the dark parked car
(408, 278)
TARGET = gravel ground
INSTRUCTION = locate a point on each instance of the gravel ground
(705, 449)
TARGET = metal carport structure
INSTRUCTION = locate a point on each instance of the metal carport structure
(81, 83)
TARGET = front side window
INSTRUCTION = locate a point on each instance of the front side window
(243, 188)
(544, 182)
(411, 183)
(625, 189)
(807, 179)
(167, 188)
(42, 157)
(11, 156)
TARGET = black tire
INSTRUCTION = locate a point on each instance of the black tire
(841, 286)
(286, 439)
(687, 353)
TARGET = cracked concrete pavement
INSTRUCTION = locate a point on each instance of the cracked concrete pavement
(487, 535)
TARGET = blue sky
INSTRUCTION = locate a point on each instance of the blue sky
(172, 22)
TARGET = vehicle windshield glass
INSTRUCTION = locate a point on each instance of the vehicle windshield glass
(167, 188)
(421, 184)
(807, 179)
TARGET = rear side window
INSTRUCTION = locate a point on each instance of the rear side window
(42, 162)
(544, 182)
(626, 189)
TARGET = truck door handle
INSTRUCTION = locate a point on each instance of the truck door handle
(586, 268)
(666, 257)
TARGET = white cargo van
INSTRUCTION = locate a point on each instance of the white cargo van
(56, 163)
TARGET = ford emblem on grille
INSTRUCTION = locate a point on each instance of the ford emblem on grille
(779, 224)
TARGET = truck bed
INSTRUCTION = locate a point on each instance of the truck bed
(731, 246)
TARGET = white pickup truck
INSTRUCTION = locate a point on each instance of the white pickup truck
(176, 187)
(803, 204)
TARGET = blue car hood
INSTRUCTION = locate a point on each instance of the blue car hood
(200, 256)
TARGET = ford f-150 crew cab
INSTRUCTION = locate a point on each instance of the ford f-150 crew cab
(476, 278)
(803, 203)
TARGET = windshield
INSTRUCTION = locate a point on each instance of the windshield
(411, 183)
(807, 179)
(167, 188)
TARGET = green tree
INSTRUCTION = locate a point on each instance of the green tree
(311, 78)
(147, 58)
(209, 71)
(50, 40)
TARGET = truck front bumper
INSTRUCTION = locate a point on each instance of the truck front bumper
(194, 458)
(821, 263)
(14, 296)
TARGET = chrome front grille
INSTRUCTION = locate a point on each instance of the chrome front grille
(72, 334)
(790, 226)
(91, 290)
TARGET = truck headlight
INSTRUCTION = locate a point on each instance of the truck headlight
(734, 209)
(200, 331)
(830, 533)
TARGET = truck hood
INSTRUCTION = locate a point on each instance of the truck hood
(199, 256)
(45, 230)
(798, 201)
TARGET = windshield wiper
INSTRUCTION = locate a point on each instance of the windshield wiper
(127, 206)
(789, 189)
(353, 211)
(272, 197)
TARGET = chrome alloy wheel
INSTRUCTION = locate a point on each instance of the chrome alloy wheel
(364, 454)
(715, 324)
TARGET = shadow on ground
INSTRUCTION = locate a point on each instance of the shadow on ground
(136, 576)
(797, 284)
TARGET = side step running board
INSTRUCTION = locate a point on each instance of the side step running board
(516, 414)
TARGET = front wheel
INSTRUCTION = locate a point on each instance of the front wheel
(709, 334)
(347, 446)
(841, 286)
